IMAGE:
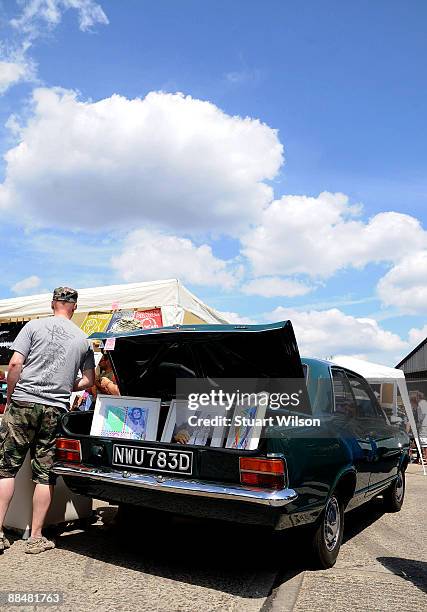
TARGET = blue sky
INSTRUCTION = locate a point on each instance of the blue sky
(106, 166)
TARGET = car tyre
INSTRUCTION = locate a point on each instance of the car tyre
(328, 534)
(395, 494)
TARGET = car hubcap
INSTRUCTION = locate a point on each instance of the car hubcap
(400, 487)
(332, 523)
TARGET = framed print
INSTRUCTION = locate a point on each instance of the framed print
(169, 427)
(209, 428)
(247, 423)
(127, 418)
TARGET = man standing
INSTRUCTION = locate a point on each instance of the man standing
(43, 370)
(422, 424)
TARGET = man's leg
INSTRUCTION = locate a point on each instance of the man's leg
(14, 442)
(43, 452)
(7, 487)
(42, 499)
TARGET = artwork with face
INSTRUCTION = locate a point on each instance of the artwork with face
(208, 428)
(136, 422)
(127, 418)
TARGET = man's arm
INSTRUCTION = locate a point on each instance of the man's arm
(13, 373)
(87, 380)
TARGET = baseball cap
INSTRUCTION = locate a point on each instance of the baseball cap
(65, 294)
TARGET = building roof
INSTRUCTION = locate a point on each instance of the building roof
(416, 360)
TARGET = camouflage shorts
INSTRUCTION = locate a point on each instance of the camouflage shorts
(29, 426)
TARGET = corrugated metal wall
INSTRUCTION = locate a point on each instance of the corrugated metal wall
(417, 362)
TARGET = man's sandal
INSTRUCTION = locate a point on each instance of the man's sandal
(34, 546)
(4, 544)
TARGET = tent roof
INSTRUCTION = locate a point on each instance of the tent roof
(375, 372)
(165, 293)
(367, 369)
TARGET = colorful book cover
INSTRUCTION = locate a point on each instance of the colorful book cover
(149, 319)
(96, 322)
(118, 319)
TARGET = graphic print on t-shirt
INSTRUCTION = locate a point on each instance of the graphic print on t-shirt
(55, 354)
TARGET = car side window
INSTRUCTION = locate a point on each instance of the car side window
(344, 400)
(365, 402)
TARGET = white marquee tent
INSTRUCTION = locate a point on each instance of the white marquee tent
(177, 304)
(375, 373)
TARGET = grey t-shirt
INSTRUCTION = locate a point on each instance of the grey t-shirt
(55, 349)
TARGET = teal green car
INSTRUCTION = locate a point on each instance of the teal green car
(336, 452)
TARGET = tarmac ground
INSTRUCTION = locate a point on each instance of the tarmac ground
(198, 566)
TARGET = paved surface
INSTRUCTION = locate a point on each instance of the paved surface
(197, 567)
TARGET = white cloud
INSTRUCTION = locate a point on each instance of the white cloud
(417, 335)
(318, 236)
(15, 67)
(322, 333)
(405, 284)
(11, 73)
(26, 285)
(237, 319)
(37, 16)
(167, 158)
(37, 13)
(274, 286)
(149, 255)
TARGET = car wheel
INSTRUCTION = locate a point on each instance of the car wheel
(395, 494)
(328, 535)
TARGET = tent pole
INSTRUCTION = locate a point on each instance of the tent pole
(410, 414)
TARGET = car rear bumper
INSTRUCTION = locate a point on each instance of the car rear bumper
(167, 484)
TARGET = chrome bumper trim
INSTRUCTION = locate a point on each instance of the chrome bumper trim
(158, 482)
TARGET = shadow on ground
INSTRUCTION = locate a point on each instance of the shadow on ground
(355, 522)
(213, 554)
(413, 571)
(210, 554)
(361, 518)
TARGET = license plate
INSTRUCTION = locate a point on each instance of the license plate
(154, 459)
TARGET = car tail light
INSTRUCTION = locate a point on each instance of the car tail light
(260, 472)
(68, 450)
